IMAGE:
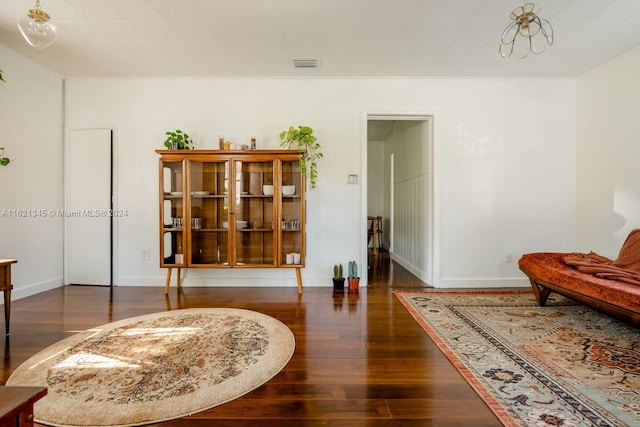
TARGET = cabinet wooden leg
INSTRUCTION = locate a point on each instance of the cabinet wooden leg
(299, 278)
(168, 281)
(7, 308)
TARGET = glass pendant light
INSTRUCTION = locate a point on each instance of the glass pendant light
(36, 27)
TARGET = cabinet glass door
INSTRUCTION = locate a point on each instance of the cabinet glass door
(292, 215)
(172, 214)
(209, 213)
(254, 213)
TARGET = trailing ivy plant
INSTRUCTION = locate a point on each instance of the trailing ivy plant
(309, 150)
(4, 161)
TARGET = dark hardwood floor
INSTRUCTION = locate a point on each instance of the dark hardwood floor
(360, 359)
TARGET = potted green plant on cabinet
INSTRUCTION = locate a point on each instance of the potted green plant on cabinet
(302, 138)
(178, 140)
(354, 280)
(338, 278)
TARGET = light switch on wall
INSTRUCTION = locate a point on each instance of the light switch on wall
(352, 178)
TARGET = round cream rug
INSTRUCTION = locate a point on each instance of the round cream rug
(156, 367)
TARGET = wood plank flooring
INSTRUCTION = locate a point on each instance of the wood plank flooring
(360, 360)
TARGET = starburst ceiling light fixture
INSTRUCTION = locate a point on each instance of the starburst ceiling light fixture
(527, 33)
(37, 28)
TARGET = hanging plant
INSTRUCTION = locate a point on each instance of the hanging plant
(303, 139)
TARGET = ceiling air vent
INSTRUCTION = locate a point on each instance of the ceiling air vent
(305, 63)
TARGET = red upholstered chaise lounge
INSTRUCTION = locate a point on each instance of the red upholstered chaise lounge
(605, 287)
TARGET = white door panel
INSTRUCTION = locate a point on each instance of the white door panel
(88, 191)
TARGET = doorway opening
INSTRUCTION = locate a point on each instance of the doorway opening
(399, 190)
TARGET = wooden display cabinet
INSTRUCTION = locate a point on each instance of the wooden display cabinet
(231, 209)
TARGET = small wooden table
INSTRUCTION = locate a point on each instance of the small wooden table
(6, 286)
(16, 405)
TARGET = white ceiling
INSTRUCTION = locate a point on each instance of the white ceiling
(349, 37)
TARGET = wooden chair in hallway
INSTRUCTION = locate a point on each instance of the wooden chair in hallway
(375, 233)
(379, 233)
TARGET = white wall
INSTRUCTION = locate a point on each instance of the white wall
(376, 186)
(505, 178)
(410, 148)
(608, 155)
(375, 178)
(31, 185)
(408, 145)
(497, 187)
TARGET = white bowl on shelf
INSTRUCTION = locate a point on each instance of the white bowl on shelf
(288, 190)
(239, 224)
(267, 190)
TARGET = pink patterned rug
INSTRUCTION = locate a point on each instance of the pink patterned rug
(155, 367)
(560, 365)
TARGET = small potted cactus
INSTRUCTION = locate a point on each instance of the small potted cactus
(354, 280)
(338, 278)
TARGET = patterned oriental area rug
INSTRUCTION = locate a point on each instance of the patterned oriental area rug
(155, 367)
(559, 365)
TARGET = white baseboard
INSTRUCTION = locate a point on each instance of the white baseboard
(159, 281)
(24, 291)
(501, 282)
(422, 275)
